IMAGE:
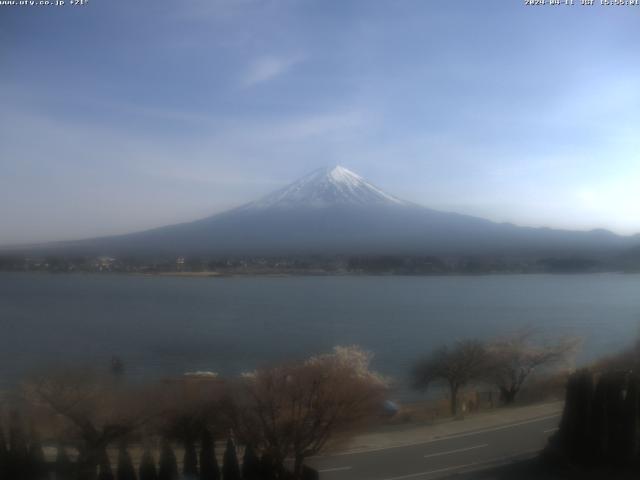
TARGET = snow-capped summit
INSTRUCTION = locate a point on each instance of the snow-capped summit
(327, 187)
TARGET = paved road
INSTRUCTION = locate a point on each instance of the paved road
(441, 457)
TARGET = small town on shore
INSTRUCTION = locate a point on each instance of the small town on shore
(318, 264)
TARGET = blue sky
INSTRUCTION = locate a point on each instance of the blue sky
(120, 115)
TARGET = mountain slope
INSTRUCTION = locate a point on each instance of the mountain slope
(335, 211)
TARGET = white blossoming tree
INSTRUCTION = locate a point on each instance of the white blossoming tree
(298, 408)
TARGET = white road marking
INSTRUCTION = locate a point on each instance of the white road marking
(459, 467)
(337, 469)
(493, 429)
(430, 472)
(549, 430)
(544, 405)
(457, 450)
(443, 438)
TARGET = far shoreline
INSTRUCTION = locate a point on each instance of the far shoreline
(214, 274)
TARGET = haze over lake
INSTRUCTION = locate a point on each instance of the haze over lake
(163, 326)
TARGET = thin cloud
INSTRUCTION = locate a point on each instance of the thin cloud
(267, 68)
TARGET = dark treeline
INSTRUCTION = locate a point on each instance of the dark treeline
(600, 426)
(599, 431)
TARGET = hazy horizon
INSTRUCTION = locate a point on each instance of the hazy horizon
(123, 117)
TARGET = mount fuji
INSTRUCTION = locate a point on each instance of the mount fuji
(335, 211)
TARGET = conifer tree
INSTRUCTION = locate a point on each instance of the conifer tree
(17, 439)
(125, 469)
(617, 419)
(17, 464)
(251, 464)
(600, 420)
(63, 466)
(37, 464)
(105, 472)
(613, 403)
(148, 466)
(632, 420)
(309, 473)
(575, 431)
(168, 463)
(209, 469)
(230, 466)
(4, 454)
(85, 466)
(268, 467)
(190, 461)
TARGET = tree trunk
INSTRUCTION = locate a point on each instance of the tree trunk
(87, 464)
(297, 467)
(508, 395)
(454, 399)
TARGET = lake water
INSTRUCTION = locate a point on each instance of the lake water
(168, 325)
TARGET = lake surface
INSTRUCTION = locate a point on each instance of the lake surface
(168, 325)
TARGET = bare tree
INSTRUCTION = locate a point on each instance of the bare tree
(457, 366)
(512, 359)
(189, 406)
(297, 409)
